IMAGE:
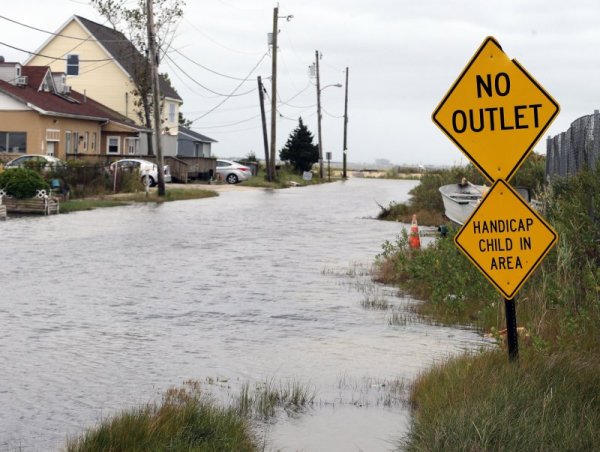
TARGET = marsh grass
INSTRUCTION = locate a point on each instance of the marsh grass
(369, 391)
(376, 302)
(483, 402)
(184, 421)
(549, 401)
(267, 397)
(397, 318)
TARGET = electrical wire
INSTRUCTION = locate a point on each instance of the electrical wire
(52, 57)
(233, 92)
(231, 124)
(31, 27)
(205, 87)
(206, 68)
(331, 115)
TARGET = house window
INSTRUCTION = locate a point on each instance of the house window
(132, 145)
(68, 141)
(171, 112)
(72, 64)
(86, 139)
(75, 142)
(113, 145)
(52, 135)
(93, 143)
(13, 142)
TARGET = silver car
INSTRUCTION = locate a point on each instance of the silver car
(232, 172)
(44, 162)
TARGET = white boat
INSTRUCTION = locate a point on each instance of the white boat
(460, 200)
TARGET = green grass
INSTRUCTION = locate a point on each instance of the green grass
(173, 194)
(478, 403)
(184, 421)
(285, 178)
(265, 398)
(549, 400)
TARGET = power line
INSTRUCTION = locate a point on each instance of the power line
(329, 114)
(216, 42)
(205, 87)
(232, 123)
(31, 27)
(52, 57)
(233, 92)
(208, 69)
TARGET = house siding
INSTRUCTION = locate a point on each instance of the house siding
(101, 80)
(36, 125)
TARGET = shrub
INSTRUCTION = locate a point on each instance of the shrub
(22, 182)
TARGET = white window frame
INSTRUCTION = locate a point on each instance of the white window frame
(132, 145)
(67, 141)
(171, 109)
(113, 137)
(72, 65)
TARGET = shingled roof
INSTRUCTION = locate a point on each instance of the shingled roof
(124, 52)
(74, 104)
(195, 136)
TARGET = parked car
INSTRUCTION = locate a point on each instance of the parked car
(232, 172)
(45, 162)
(148, 170)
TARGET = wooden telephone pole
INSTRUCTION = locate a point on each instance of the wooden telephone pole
(261, 97)
(344, 175)
(153, 56)
(272, 175)
(319, 114)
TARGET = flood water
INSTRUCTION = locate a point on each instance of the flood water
(104, 310)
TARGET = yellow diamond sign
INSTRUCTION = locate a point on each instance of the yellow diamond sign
(495, 112)
(505, 238)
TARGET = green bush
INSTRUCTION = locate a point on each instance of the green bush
(22, 182)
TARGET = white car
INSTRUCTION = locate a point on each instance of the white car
(232, 172)
(148, 170)
(45, 162)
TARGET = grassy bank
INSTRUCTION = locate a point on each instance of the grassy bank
(184, 421)
(549, 401)
(172, 194)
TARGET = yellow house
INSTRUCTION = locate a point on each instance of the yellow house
(102, 63)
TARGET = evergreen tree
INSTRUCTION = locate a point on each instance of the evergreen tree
(299, 149)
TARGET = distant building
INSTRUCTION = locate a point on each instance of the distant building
(193, 144)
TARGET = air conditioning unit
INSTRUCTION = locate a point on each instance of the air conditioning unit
(22, 80)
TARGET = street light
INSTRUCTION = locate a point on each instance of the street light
(319, 90)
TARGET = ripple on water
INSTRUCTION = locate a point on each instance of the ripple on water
(253, 286)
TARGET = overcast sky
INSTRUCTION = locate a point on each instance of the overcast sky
(403, 56)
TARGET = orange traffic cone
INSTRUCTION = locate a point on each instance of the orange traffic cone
(414, 241)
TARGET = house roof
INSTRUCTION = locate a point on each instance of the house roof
(36, 75)
(74, 104)
(189, 134)
(124, 52)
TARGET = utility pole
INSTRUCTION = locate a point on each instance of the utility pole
(319, 115)
(272, 175)
(344, 175)
(261, 97)
(153, 55)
